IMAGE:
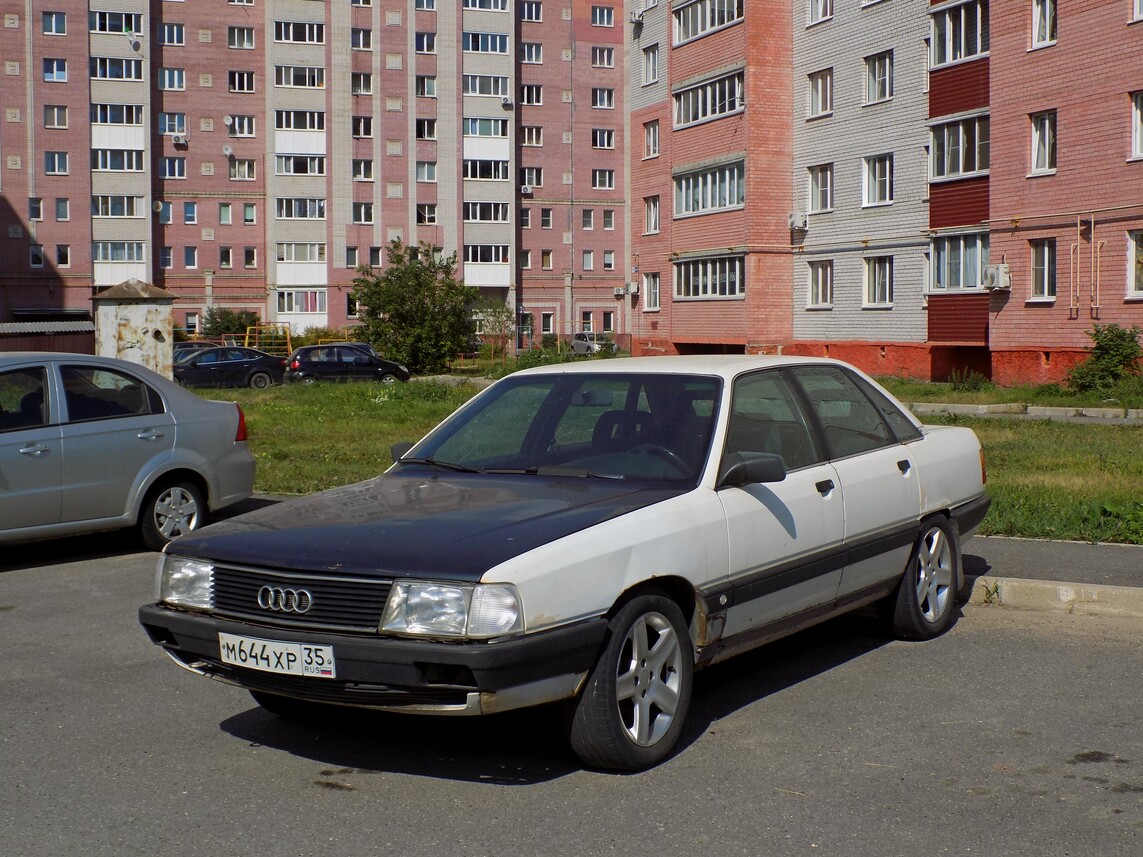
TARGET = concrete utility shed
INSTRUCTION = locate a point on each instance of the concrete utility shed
(135, 321)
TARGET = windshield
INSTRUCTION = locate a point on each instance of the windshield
(618, 425)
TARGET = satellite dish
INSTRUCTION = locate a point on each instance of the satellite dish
(136, 44)
(157, 206)
(228, 150)
(227, 120)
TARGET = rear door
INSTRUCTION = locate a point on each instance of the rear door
(31, 448)
(116, 432)
(880, 483)
(785, 538)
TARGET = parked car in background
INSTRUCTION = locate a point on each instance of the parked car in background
(592, 343)
(180, 349)
(588, 534)
(312, 363)
(230, 366)
(93, 443)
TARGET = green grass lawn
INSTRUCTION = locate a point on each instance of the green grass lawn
(1054, 480)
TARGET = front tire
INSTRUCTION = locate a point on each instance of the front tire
(171, 510)
(260, 380)
(925, 601)
(633, 707)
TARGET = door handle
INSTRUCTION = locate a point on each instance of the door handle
(904, 465)
(150, 434)
(824, 487)
(36, 450)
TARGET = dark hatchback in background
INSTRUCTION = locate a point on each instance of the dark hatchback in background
(312, 363)
(230, 367)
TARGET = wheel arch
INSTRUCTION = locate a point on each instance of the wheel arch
(169, 477)
(677, 589)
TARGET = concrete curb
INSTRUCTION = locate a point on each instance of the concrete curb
(1058, 597)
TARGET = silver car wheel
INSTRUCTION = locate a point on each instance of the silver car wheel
(176, 512)
(647, 683)
(924, 602)
(933, 574)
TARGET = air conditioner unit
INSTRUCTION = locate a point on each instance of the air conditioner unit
(526, 189)
(179, 139)
(136, 45)
(636, 16)
(620, 292)
(997, 277)
(798, 220)
(633, 287)
(228, 151)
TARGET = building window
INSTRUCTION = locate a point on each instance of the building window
(706, 279)
(299, 208)
(249, 257)
(190, 212)
(546, 260)
(1043, 23)
(113, 22)
(240, 38)
(190, 257)
(525, 218)
(486, 212)
(1043, 269)
(172, 123)
(117, 114)
(482, 127)
(958, 261)
(486, 253)
(226, 257)
(603, 16)
(118, 205)
(486, 5)
(960, 32)
(165, 212)
(351, 257)
(602, 138)
(63, 255)
(118, 251)
(651, 139)
(603, 98)
(587, 219)
(426, 5)
(532, 176)
(360, 83)
(243, 81)
(960, 148)
(531, 53)
(173, 168)
(35, 208)
(821, 188)
(821, 284)
(1044, 142)
(426, 213)
(426, 129)
(650, 291)
(225, 214)
(532, 94)
(361, 127)
(299, 165)
(1135, 261)
(300, 251)
(879, 281)
(63, 209)
(650, 64)
(243, 169)
(525, 259)
(55, 116)
(55, 70)
(547, 322)
(545, 218)
(55, 24)
(603, 179)
(714, 189)
(531, 10)
(531, 135)
(820, 10)
(299, 32)
(426, 86)
(113, 68)
(362, 169)
(360, 39)
(484, 43)
(609, 260)
(249, 213)
(878, 172)
(242, 126)
(426, 171)
(602, 57)
(821, 93)
(172, 79)
(709, 100)
(172, 34)
(55, 163)
(166, 258)
(609, 218)
(285, 76)
(694, 20)
(650, 215)
(879, 77)
(425, 43)
(1137, 123)
(302, 300)
(608, 321)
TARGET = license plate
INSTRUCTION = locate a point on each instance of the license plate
(275, 656)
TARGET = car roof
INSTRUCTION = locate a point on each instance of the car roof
(723, 365)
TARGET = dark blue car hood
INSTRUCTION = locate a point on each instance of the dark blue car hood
(414, 523)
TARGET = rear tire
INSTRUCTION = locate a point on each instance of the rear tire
(260, 380)
(170, 510)
(387, 379)
(308, 379)
(635, 702)
(925, 601)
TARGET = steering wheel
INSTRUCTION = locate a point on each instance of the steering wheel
(663, 452)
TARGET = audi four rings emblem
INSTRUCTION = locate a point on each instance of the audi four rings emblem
(285, 600)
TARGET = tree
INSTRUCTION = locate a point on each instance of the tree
(218, 321)
(415, 311)
(498, 327)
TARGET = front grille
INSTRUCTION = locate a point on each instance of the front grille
(338, 603)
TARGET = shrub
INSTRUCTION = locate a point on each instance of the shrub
(1115, 355)
(968, 381)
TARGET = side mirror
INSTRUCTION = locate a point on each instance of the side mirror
(746, 468)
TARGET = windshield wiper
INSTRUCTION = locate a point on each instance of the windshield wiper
(444, 465)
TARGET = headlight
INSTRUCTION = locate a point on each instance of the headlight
(452, 610)
(185, 582)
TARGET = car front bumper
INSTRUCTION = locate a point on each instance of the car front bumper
(392, 674)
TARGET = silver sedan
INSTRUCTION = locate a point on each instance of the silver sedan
(94, 443)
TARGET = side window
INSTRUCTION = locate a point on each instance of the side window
(850, 422)
(23, 403)
(903, 427)
(92, 393)
(765, 416)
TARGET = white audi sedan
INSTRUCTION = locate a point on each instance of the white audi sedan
(94, 443)
(589, 535)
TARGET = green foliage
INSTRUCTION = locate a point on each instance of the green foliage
(217, 321)
(316, 336)
(415, 311)
(969, 380)
(498, 328)
(1114, 356)
(549, 342)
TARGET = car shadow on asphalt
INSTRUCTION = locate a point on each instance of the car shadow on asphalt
(528, 747)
